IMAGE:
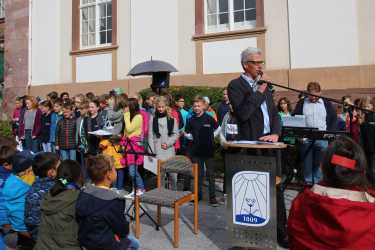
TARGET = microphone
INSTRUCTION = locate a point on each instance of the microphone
(269, 85)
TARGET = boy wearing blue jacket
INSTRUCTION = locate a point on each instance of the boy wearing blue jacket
(100, 212)
(6, 155)
(14, 193)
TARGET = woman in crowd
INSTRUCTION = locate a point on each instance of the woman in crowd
(94, 122)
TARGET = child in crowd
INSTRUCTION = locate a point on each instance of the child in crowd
(78, 100)
(163, 134)
(16, 116)
(284, 107)
(111, 147)
(100, 211)
(52, 96)
(104, 106)
(6, 155)
(115, 114)
(56, 116)
(133, 135)
(45, 134)
(229, 127)
(14, 194)
(94, 122)
(44, 167)
(149, 102)
(207, 108)
(81, 133)
(30, 125)
(339, 212)
(65, 97)
(66, 134)
(58, 227)
(202, 127)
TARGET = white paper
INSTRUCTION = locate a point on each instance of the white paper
(294, 121)
(255, 142)
(151, 164)
(100, 132)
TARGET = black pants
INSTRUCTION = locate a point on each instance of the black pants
(203, 164)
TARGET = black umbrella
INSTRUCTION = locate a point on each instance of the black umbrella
(151, 67)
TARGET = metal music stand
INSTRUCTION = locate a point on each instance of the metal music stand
(146, 152)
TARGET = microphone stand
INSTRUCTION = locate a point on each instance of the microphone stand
(349, 107)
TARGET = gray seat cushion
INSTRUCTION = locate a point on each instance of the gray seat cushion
(163, 197)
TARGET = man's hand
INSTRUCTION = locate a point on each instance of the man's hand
(269, 138)
(262, 88)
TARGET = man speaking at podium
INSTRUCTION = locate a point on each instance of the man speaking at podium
(253, 103)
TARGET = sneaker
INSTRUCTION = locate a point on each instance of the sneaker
(213, 202)
(140, 192)
(130, 195)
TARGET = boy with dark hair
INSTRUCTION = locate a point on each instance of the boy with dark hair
(45, 169)
(203, 128)
(6, 155)
(14, 194)
(100, 211)
(66, 134)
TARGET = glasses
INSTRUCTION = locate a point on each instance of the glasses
(256, 62)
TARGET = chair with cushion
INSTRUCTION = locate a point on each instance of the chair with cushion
(163, 197)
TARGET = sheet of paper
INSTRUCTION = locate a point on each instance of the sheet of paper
(100, 132)
(151, 164)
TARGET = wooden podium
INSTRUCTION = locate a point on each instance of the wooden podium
(250, 175)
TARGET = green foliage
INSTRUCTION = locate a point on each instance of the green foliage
(189, 92)
(5, 128)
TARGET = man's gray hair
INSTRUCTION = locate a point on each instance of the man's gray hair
(249, 51)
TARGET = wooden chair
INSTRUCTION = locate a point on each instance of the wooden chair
(163, 197)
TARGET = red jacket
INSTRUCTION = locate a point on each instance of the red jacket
(37, 124)
(321, 222)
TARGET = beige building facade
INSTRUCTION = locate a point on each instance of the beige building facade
(91, 45)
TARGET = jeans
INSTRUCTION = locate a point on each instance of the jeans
(129, 242)
(208, 164)
(47, 147)
(133, 171)
(120, 178)
(30, 143)
(312, 160)
(68, 154)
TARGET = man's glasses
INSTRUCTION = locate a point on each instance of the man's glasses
(256, 62)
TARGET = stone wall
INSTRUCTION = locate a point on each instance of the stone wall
(16, 51)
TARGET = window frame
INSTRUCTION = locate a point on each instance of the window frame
(96, 4)
(2, 9)
(231, 25)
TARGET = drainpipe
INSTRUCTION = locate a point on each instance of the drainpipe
(30, 54)
(290, 53)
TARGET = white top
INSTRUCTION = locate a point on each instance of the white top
(315, 114)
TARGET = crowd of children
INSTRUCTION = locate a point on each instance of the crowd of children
(45, 202)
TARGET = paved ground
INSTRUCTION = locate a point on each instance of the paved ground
(212, 234)
(212, 228)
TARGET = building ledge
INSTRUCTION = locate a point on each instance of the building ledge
(230, 34)
(97, 50)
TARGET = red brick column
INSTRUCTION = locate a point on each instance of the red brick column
(16, 51)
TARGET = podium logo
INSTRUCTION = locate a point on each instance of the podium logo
(251, 198)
